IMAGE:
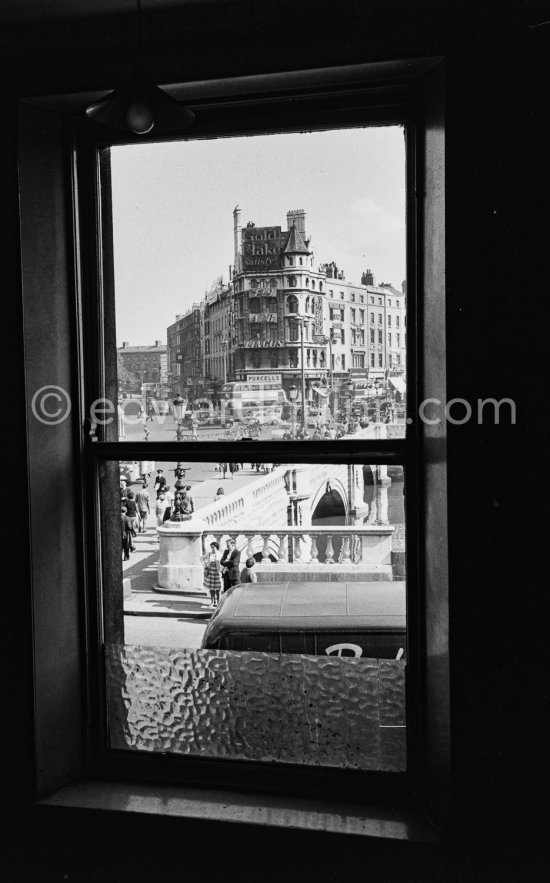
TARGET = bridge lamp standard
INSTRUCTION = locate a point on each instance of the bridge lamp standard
(179, 410)
(292, 393)
(300, 319)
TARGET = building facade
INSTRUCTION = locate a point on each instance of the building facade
(185, 352)
(281, 316)
(288, 313)
(140, 365)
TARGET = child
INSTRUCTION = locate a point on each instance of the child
(247, 573)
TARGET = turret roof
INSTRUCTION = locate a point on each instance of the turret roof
(295, 244)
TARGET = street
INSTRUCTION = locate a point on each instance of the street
(164, 631)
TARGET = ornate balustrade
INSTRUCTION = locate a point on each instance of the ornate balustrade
(335, 547)
(336, 552)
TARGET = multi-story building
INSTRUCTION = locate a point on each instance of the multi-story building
(284, 305)
(143, 365)
(218, 334)
(185, 352)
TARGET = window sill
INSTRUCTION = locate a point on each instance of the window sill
(305, 814)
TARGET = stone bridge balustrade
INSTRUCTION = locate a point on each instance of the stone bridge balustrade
(353, 553)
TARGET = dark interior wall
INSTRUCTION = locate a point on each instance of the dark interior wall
(497, 323)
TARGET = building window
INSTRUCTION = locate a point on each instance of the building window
(292, 304)
(291, 281)
(389, 321)
(389, 339)
(343, 335)
(372, 360)
(372, 335)
(362, 317)
(352, 311)
(372, 318)
(398, 340)
(102, 461)
(380, 360)
(379, 318)
(379, 335)
(397, 321)
(352, 296)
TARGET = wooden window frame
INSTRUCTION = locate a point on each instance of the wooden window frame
(59, 178)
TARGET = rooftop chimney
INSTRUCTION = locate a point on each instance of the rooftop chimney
(297, 217)
(367, 278)
(125, 344)
(158, 343)
(237, 233)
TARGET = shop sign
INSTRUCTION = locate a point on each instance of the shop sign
(262, 342)
(264, 378)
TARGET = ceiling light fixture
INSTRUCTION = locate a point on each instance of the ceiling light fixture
(139, 106)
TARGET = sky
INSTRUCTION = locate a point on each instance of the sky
(173, 212)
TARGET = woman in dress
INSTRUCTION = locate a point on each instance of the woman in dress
(212, 573)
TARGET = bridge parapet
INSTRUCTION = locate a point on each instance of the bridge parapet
(331, 553)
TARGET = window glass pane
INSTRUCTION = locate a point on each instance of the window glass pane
(264, 596)
(219, 282)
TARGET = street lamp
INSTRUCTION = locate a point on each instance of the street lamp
(179, 410)
(300, 319)
(179, 488)
(292, 393)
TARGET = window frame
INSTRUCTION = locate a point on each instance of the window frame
(83, 278)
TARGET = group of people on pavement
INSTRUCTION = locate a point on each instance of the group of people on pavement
(136, 507)
(222, 570)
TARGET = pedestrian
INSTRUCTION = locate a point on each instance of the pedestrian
(232, 469)
(190, 497)
(212, 573)
(223, 469)
(247, 573)
(131, 512)
(194, 427)
(160, 482)
(170, 497)
(131, 517)
(230, 565)
(161, 505)
(143, 508)
(126, 534)
(219, 494)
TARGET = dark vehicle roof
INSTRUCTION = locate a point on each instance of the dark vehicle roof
(310, 606)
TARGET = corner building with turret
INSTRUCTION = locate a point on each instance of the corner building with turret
(284, 304)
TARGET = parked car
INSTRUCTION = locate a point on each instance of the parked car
(332, 618)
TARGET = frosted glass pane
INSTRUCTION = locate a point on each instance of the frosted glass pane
(282, 708)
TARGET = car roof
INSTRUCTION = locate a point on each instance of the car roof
(311, 606)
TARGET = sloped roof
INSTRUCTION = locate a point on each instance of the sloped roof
(295, 244)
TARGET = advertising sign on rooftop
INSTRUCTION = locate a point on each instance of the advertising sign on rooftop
(261, 248)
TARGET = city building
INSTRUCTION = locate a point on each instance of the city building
(185, 352)
(283, 312)
(218, 333)
(140, 365)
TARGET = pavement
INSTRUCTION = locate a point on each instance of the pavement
(142, 595)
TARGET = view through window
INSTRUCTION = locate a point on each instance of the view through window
(263, 603)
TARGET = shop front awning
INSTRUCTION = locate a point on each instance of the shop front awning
(398, 384)
(321, 391)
